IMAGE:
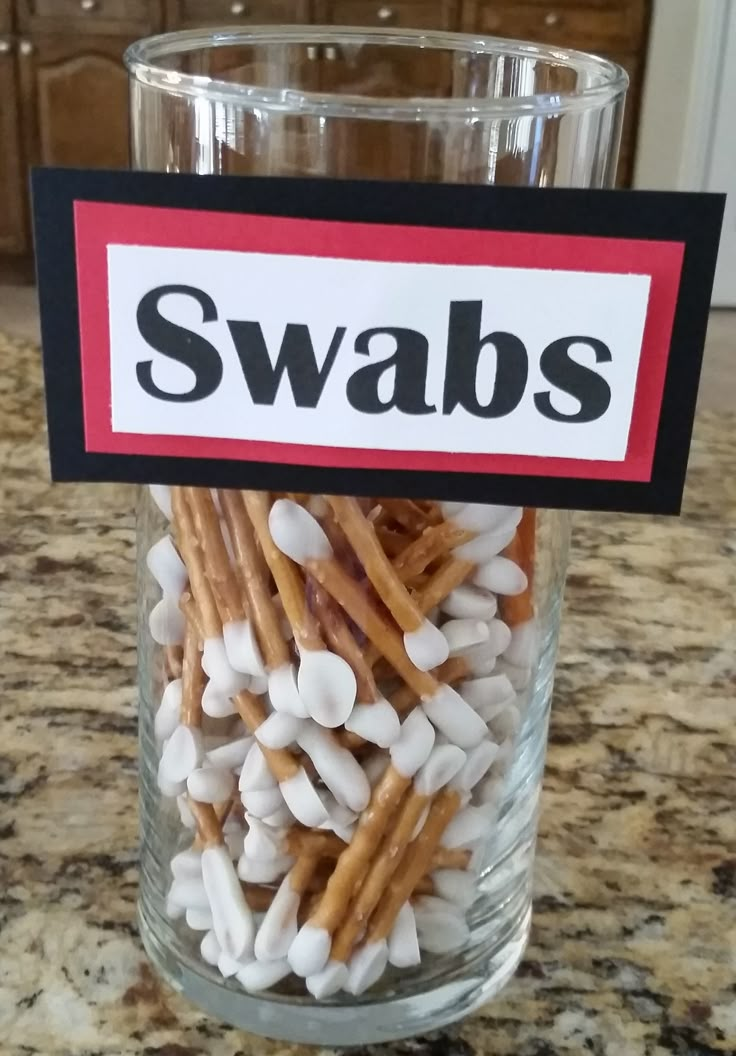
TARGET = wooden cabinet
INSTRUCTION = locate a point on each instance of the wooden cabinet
(418, 14)
(74, 101)
(595, 25)
(187, 13)
(134, 18)
(64, 97)
(13, 212)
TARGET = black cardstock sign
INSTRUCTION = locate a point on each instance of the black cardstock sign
(481, 344)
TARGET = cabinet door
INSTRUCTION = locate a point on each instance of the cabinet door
(595, 25)
(13, 237)
(419, 14)
(75, 101)
(182, 13)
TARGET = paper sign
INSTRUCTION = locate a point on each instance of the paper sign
(484, 344)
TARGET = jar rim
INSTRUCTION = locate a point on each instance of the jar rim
(143, 57)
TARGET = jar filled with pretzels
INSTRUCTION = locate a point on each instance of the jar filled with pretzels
(344, 719)
(344, 698)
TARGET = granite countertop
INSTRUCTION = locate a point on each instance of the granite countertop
(634, 938)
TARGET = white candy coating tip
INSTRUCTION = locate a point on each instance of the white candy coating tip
(403, 943)
(199, 919)
(262, 802)
(166, 622)
(464, 634)
(241, 647)
(283, 692)
(255, 775)
(502, 576)
(218, 669)
(456, 719)
(279, 730)
(210, 785)
(161, 495)
(443, 764)
(296, 532)
(338, 768)
(210, 950)
(309, 951)
(415, 742)
(233, 919)
(327, 687)
(377, 723)
(216, 703)
(366, 967)
(261, 975)
(167, 568)
(329, 981)
(426, 647)
(467, 602)
(302, 800)
(182, 753)
(167, 715)
(279, 927)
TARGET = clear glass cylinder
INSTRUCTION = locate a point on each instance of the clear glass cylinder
(344, 700)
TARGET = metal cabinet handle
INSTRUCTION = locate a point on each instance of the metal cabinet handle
(386, 13)
(237, 7)
(88, 5)
(312, 52)
(330, 53)
(552, 19)
(26, 47)
(6, 46)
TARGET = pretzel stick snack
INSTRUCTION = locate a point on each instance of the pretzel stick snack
(299, 535)
(326, 682)
(345, 715)
(424, 644)
(282, 686)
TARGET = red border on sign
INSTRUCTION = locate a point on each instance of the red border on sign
(100, 224)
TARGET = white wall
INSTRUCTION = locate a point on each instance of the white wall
(685, 54)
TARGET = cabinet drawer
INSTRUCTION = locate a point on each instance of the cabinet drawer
(233, 12)
(422, 14)
(595, 27)
(6, 16)
(97, 16)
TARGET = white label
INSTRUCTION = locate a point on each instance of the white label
(530, 392)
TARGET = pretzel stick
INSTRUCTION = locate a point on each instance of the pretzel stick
(382, 868)
(414, 864)
(423, 642)
(280, 924)
(358, 853)
(339, 636)
(282, 764)
(193, 679)
(392, 541)
(172, 661)
(232, 916)
(449, 576)
(299, 535)
(206, 524)
(407, 513)
(326, 682)
(286, 574)
(186, 541)
(433, 543)
(248, 564)
(209, 822)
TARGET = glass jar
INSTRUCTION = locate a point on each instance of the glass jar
(344, 700)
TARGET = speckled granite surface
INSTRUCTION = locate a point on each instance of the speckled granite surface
(634, 943)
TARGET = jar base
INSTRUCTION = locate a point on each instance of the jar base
(358, 1023)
